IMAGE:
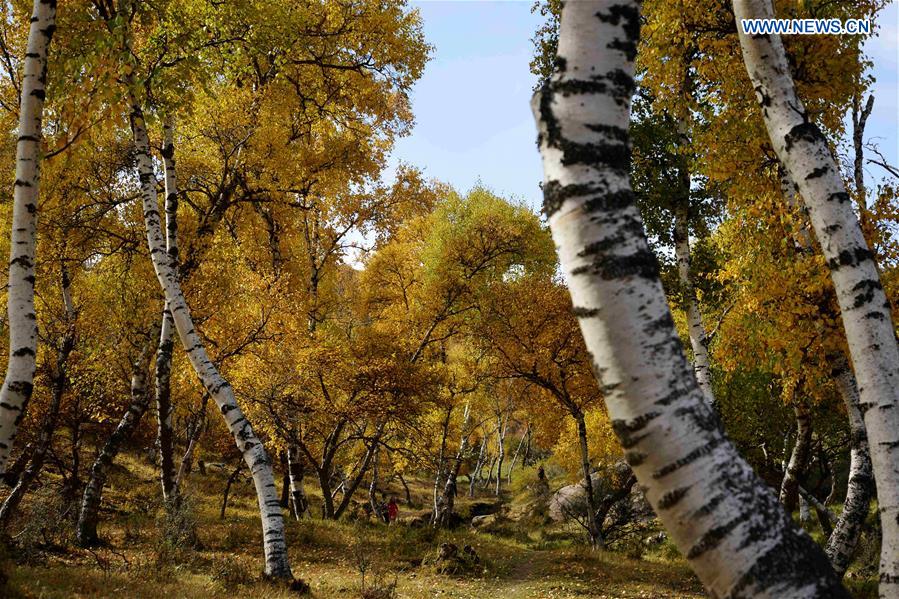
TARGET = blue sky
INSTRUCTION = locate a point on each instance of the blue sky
(473, 122)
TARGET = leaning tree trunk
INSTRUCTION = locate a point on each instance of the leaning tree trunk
(45, 439)
(86, 530)
(793, 473)
(517, 452)
(695, 326)
(163, 373)
(254, 454)
(802, 148)
(723, 518)
(19, 380)
(843, 541)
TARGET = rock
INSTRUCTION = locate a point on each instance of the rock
(481, 521)
(450, 560)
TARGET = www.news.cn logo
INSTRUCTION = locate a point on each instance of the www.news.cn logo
(806, 26)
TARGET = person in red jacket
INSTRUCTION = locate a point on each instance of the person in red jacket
(393, 510)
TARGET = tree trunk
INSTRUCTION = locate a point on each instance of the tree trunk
(86, 530)
(795, 470)
(254, 454)
(163, 373)
(517, 451)
(729, 525)
(45, 439)
(296, 470)
(19, 380)
(366, 461)
(842, 543)
(867, 319)
(230, 482)
(696, 329)
(475, 474)
(594, 527)
(441, 455)
(500, 452)
(373, 487)
(447, 502)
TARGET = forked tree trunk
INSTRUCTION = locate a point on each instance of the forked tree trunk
(163, 373)
(728, 524)
(19, 380)
(843, 541)
(802, 148)
(517, 452)
(88, 517)
(250, 446)
(795, 470)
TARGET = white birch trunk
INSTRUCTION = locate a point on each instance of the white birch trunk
(727, 523)
(19, 380)
(843, 541)
(254, 454)
(695, 326)
(870, 333)
(296, 472)
(163, 372)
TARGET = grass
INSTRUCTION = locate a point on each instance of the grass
(518, 560)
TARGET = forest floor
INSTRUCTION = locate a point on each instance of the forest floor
(517, 562)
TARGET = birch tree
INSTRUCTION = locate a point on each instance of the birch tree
(726, 522)
(866, 313)
(19, 379)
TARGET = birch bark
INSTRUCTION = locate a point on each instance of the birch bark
(727, 523)
(163, 372)
(250, 446)
(19, 380)
(866, 313)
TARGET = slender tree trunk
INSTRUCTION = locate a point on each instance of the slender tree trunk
(795, 470)
(729, 525)
(373, 487)
(490, 472)
(500, 452)
(285, 481)
(867, 319)
(366, 462)
(698, 337)
(45, 439)
(296, 471)
(86, 530)
(19, 380)
(441, 456)
(594, 527)
(193, 438)
(163, 373)
(406, 490)
(254, 454)
(842, 543)
(476, 473)
(447, 502)
(517, 452)
(227, 491)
